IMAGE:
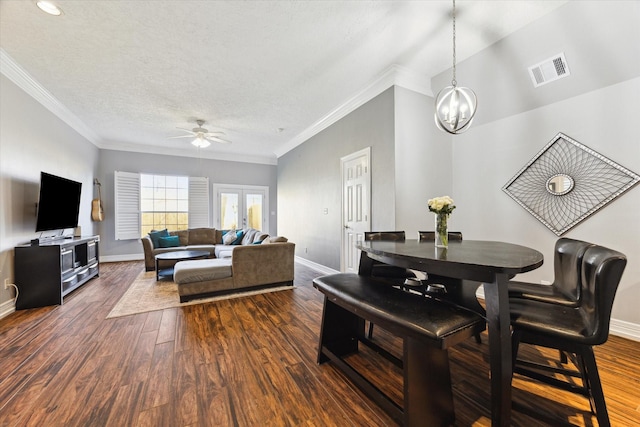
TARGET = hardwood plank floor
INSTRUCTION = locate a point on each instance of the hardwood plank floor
(241, 362)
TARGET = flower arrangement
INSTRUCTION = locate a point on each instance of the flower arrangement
(442, 207)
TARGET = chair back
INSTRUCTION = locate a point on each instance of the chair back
(601, 272)
(430, 236)
(384, 235)
(567, 266)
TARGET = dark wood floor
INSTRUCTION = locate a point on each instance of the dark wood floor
(241, 362)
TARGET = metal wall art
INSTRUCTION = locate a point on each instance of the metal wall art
(566, 182)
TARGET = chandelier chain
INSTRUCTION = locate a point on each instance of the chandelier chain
(453, 81)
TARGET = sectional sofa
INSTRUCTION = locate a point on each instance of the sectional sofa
(253, 260)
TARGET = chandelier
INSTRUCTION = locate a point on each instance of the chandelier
(455, 106)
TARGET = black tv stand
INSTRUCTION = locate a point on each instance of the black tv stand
(48, 270)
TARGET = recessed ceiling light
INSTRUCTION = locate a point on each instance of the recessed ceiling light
(49, 8)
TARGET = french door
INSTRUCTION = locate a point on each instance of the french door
(241, 206)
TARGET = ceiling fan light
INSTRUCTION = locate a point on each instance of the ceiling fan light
(49, 8)
(200, 142)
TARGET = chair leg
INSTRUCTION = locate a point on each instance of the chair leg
(478, 339)
(370, 333)
(595, 387)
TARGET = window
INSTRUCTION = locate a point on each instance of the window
(241, 206)
(144, 202)
(164, 203)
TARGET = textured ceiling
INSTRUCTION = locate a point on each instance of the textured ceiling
(264, 72)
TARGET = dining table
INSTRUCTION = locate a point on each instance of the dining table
(462, 267)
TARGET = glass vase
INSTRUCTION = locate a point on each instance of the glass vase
(442, 238)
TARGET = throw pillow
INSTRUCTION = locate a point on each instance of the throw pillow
(239, 236)
(169, 242)
(156, 235)
(229, 237)
(260, 237)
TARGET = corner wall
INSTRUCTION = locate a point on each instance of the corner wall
(309, 180)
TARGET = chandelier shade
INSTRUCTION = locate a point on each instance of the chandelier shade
(455, 109)
(455, 106)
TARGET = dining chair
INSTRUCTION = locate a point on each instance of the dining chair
(565, 289)
(573, 329)
(390, 273)
(430, 236)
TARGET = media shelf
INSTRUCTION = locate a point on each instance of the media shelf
(47, 271)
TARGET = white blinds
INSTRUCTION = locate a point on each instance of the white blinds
(127, 205)
(199, 202)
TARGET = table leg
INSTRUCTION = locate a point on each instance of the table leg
(157, 269)
(498, 319)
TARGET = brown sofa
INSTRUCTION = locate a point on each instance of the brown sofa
(258, 261)
(250, 267)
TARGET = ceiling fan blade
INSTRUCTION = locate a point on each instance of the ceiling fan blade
(187, 130)
(220, 140)
(182, 136)
(215, 133)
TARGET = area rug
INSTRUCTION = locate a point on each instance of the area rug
(146, 294)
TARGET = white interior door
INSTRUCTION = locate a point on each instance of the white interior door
(238, 207)
(356, 206)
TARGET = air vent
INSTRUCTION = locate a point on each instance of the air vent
(549, 70)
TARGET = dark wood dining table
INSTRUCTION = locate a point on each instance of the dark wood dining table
(464, 266)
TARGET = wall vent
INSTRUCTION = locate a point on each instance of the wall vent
(549, 70)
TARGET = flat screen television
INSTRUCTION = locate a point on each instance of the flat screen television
(58, 204)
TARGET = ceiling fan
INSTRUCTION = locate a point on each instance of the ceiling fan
(202, 137)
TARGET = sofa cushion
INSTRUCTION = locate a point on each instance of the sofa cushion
(169, 242)
(156, 235)
(239, 236)
(229, 237)
(183, 235)
(224, 251)
(201, 270)
(249, 234)
(202, 236)
(259, 237)
(275, 239)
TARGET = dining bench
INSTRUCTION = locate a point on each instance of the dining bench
(427, 327)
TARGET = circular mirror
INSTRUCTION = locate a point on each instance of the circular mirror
(560, 184)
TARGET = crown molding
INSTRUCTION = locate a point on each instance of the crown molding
(14, 72)
(204, 154)
(396, 75)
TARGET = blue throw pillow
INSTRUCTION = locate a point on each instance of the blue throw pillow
(239, 236)
(169, 242)
(156, 235)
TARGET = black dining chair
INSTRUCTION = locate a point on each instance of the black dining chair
(572, 329)
(390, 273)
(565, 289)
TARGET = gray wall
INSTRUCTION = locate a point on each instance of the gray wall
(597, 105)
(32, 139)
(309, 180)
(423, 162)
(217, 171)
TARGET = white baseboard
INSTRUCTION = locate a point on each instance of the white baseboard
(120, 258)
(318, 267)
(7, 307)
(624, 329)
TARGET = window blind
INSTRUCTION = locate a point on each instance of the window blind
(127, 205)
(199, 202)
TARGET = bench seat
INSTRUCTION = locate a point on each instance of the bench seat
(428, 328)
